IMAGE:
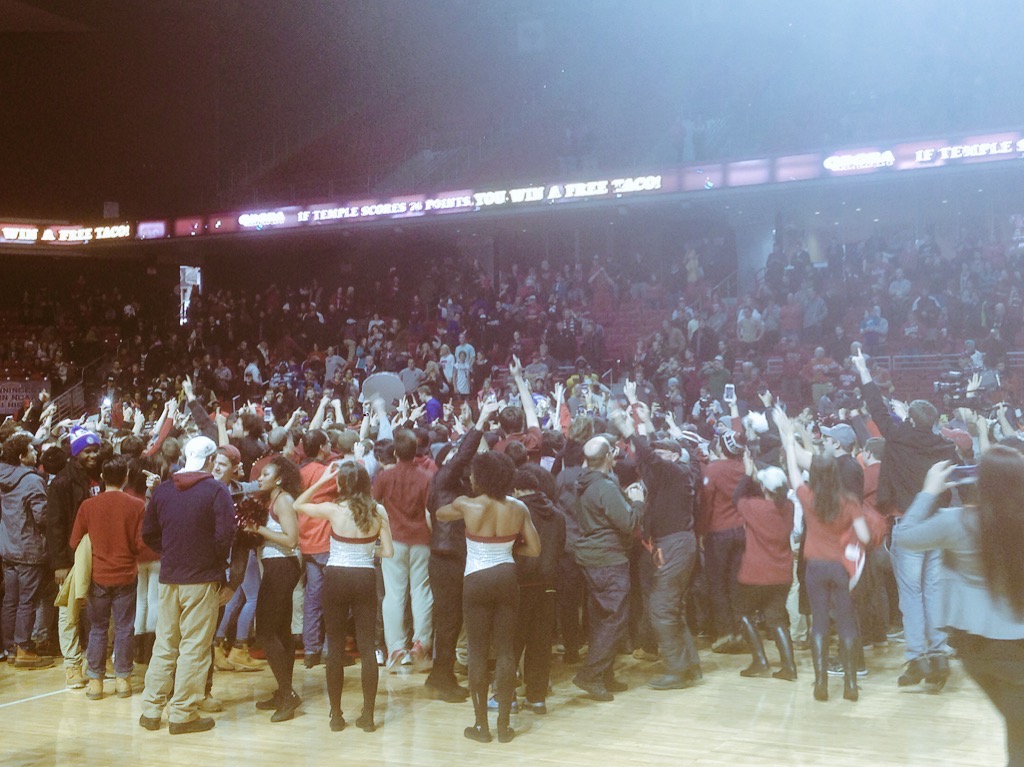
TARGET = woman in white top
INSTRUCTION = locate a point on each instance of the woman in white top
(350, 580)
(494, 524)
(279, 482)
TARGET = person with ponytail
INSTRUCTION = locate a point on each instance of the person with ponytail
(982, 576)
(358, 522)
(766, 570)
(830, 511)
(279, 483)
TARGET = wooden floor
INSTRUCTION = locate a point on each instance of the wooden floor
(727, 720)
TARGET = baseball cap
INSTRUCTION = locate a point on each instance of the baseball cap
(197, 451)
(842, 433)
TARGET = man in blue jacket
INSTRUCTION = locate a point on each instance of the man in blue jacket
(190, 522)
(22, 547)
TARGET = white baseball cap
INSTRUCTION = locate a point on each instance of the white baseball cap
(197, 451)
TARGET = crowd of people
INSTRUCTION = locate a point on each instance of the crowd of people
(291, 470)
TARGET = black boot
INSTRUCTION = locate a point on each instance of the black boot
(785, 644)
(938, 670)
(480, 731)
(759, 665)
(916, 670)
(505, 731)
(819, 657)
(848, 652)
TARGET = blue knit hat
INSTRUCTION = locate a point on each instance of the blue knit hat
(81, 439)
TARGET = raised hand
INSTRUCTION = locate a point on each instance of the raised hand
(515, 367)
(629, 390)
(935, 481)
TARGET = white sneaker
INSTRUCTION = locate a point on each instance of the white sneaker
(396, 658)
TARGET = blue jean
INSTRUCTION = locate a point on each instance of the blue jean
(243, 603)
(22, 589)
(917, 577)
(104, 600)
(312, 606)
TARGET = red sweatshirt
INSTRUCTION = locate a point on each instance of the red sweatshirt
(113, 522)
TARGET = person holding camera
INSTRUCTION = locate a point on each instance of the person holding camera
(982, 581)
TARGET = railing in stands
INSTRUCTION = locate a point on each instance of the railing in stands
(71, 402)
(913, 374)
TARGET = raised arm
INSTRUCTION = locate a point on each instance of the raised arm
(872, 396)
(525, 395)
(789, 443)
(302, 503)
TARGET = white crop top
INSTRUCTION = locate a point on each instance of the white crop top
(272, 550)
(483, 553)
(351, 552)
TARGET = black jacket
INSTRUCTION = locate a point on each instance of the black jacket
(449, 538)
(63, 497)
(543, 570)
(909, 453)
(671, 492)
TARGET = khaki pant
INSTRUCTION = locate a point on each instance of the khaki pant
(70, 642)
(185, 625)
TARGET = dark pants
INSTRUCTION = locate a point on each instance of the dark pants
(828, 588)
(723, 553)
(642, 633)
(770, 600)
(570, 602)
(668, 601)
(355, 589)
(446, 576)
(535, 632)
(870, 601)
(490, 603)
(104, 601)
(608, 613)
(998, 668)
(274, 617)
(22, 588)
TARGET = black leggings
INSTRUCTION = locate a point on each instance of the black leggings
(490, 600)
(352, 588)
(274, 617)
(828, 587)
